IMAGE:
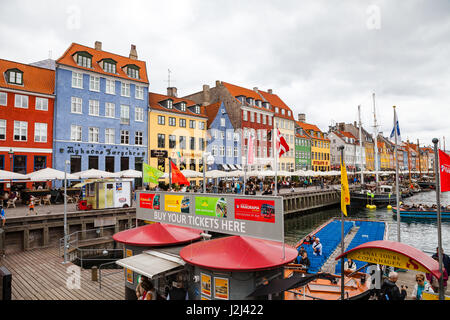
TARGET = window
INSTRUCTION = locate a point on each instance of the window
(75, 133)
(40, 162)
(183, 106)
(3, 98)
(192, 124)
(197, 109)
(172, 121)
(21, 101)
(229, 135)
(201, 144)
(276, 109)
(109, 66)
(229, 152)
(15, 77)
(84, 60)
(282, 111)
(76, 105)
(2, 129)
(201, 125)
(244, 115)
(182, 142)
(172, 141)
(214, 151)
(264, 119)
(222, 122)
(110, 86)
(125, 89)
(110, 110)
(109, 135)
(40, 132)
(161, 140)
(124, 114)
(139, 92)
(161, 120)
(133, 72)
(20, 164)
(182, 123)
(124, 163)
(192, 143)
(236, 152)
(139, 114)
(222, 135)
(252, 117)
(77, 80)
(20, 130)
(138, 138)
(258, 119)
(169, 104)
(94, 108)
(270, 120)
(41, 104)
(93, 162)
(221, 151)
(93, 134)
(109, 164)
(124, 137)
(94, 83)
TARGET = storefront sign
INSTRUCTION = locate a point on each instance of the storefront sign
(158, 153)
(259, 216)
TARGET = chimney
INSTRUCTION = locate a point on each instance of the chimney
(255, 89)
(98, 45)
(341, 126)
(269, 91)
(172, 92)
(206, 96)
(133, 52)
(301, 117)
(217, 83)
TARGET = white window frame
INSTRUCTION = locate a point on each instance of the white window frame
(124, 114)
(40, 132)
(214, 151)
(229, 152)
(221, 151)
(94, 108)
(77, 80)
(94, 83)
(125, 134)
(110, 86)
(110, 110)
(139, 92)
(76, 132)
(236, 152)
(22, 99)
(3, 124)
(222, 122)
(125, 89)
(75, 101)
(93, 135)
(139, 135)
(244, 115)
(139, 114)
(110, 135)
(3, 97)
(41, 104)
(20, 126)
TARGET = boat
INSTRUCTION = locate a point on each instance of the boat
(420, 214)
(381, 198)
(323, 278)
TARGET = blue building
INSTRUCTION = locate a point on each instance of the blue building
(101, 110)
(223, 140)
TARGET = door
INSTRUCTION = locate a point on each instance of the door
(109, 195)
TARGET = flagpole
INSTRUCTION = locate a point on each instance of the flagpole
(396, 175)
(275, 154)
(438, 211)
(170, 172)
(341, 148)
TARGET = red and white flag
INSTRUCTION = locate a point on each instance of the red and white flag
(250, 153)
(281, 144)
(444, 171)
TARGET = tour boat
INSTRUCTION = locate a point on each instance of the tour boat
(383, 197)
(420, 214)
(322, 281)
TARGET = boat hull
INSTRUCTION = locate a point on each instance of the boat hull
(420, 214)
(361, 200)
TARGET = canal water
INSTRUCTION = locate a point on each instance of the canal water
(419, 233)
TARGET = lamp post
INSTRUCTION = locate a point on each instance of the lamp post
(11, 155)
(66, 162)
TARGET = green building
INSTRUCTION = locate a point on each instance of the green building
(302, 150)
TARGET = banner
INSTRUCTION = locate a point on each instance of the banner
(345, 193)
(254, 210)
(444, 171)
(177, 176)
(211, 206)
(150, 174)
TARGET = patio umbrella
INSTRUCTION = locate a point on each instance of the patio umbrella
(94, 173)
(191, 173)
(49, 174)
(9, 175)
(129, 174)
(285, 173)
(236, 174)
(215, 174)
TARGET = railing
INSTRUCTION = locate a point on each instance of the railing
(97, 253)
(101, 277)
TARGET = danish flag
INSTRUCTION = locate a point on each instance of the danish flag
(281, 144)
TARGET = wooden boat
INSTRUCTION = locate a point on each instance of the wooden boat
(328, 286)
(420, 214)
(382, 198)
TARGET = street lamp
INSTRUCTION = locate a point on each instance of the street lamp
(11, 155)
(66, 163)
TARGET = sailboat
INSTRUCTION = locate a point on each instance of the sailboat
(381, 195)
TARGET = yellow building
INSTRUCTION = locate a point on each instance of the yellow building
(177, 130)
(320, 146)
(384, 156)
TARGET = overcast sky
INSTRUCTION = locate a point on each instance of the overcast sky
(323, 58)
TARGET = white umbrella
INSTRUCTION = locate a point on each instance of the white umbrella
(49, 174)
(299, 173)
(191, 174)
(285, 173)
(237, 173)
(129, 174)
(94, 173)
(9, 175)
(215, 174)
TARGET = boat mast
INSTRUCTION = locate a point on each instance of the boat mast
(420, 166)
(397, 192)
(360, 145)
(376, 140)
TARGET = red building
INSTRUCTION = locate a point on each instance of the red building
(26, 117)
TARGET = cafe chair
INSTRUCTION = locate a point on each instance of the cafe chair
(46, 199)
(37, 201)
(11, 203)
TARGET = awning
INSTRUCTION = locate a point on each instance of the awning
(225, 167)
(80, 184)
(238, 166)
(151, 263)
(233, 167)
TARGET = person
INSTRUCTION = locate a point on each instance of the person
(349, 265)
(177, 292)
(3, 216)
(304, 261)
(238, 188)
(390, 290)
(292, 188)
(435, 281)
(445, 259)
(31, 205)
(307, 240)
(300, 253)
(420, 287)
(317, 247)
(147, 290)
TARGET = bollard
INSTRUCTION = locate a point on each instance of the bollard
(94, 273)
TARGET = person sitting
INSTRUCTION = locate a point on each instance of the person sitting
(304, 261)
(307, 240)
(349, 265)
(147, 291)
(420, 287)
(317, 247)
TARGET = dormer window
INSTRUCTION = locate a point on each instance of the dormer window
(169, 104)
(282, 111)
(132, 71)
(109, 65)
(183, 106)
(258, 103)
(250, 101)
(266, 105)
(276, 109)
(14, 76)
(84, 59)
(197, 109)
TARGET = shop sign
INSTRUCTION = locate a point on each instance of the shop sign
(158, 153)
(259, 216)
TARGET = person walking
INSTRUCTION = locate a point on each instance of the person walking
(435, 281)
(3, 216)
(445, 259)
(31, 206)
(390, 290)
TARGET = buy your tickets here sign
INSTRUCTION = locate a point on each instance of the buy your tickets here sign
(258, 217)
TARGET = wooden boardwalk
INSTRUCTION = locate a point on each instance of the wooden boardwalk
(40, 275)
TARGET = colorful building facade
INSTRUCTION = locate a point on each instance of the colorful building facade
(302, 149)
(101, 110)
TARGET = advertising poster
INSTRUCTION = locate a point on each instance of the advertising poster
(150, 201)
(174, 203)
(211, 206)
(254, 210)
(221, 289)
(128, 272)
(206, 284)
